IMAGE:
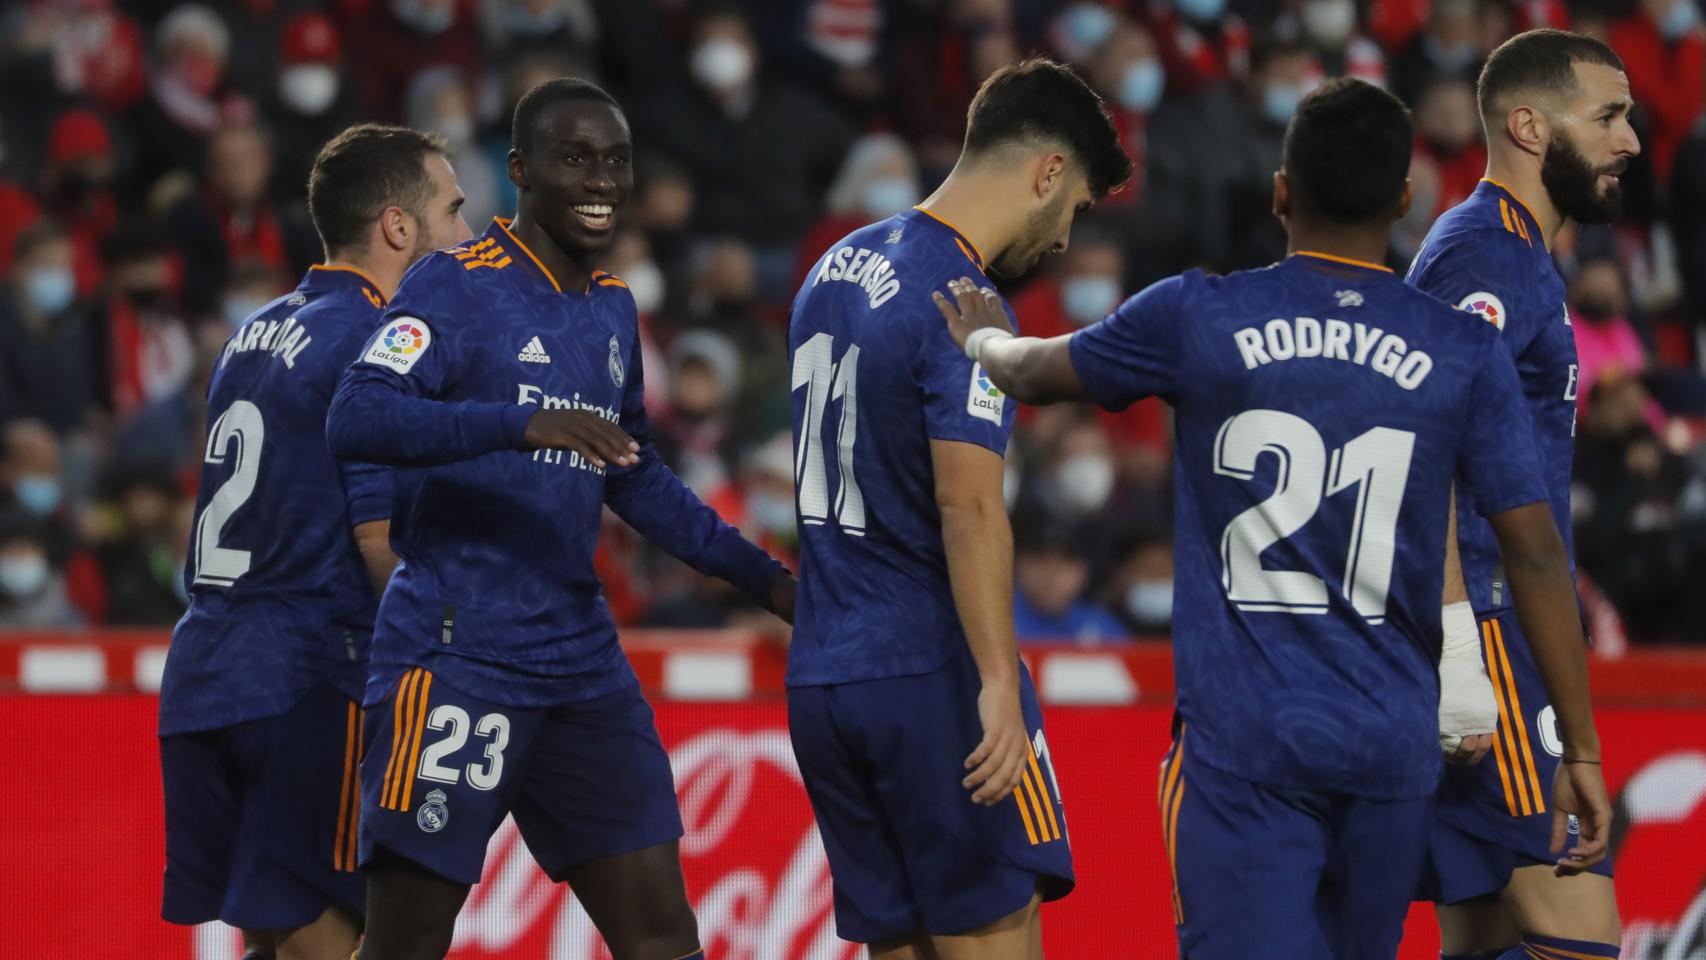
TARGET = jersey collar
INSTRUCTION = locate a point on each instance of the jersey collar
(964, 242)
(327, 276)
(1335, 258)
(1518, 208)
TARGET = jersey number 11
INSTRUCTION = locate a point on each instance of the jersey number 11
(824, 380)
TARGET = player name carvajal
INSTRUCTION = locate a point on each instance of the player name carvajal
(870, 270)
(1303, 337)
(286, 340)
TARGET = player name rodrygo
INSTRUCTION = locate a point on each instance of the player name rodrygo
(1302, 337)
(870, 270)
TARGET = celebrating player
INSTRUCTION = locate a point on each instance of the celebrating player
(496, 383)
(259, 726)
(1322, 408)
(915, 724)
(1556, 110)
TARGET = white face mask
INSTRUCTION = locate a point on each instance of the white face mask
(1329, 22)
(889, 195)
(308, 88)
(1150, 602)
(22, 577)
(456, 129)
(722, 64)
(645, 282)
(1084, 481)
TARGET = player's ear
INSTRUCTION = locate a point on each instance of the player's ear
(1051, 175)
(1528, 129)
(517, 169)
(397, 228)
(1282, 196)
(1404, 201)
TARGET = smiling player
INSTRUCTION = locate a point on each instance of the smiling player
(495, 384)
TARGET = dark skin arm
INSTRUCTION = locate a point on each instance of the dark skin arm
(979, 545)
(588, 434)
(1028, 369)
(1539, 573)
(373, 539)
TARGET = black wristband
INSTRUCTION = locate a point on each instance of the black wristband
(1579, 760)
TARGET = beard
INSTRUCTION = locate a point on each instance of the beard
(1041, 234)
(1573, 184)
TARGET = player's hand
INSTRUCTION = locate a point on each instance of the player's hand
(782, 591)
(972, 308)
(999, 760)
(598, 440)
(1578, 792)
(1467, 750)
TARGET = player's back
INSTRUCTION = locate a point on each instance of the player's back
(279, 595)
(876, 377)
(1321, 406)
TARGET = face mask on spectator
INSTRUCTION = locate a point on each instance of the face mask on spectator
(1086, 25)
(1329, 22)
(1088, 298)
(22, 577)
(772, 513)
(1200, 11)
(430, 20)
(889, 195)
(645, 282)
(1280, 100)
(1448, 59)
(50, 289)
(722, 64)
(308, 88)
(456, 129)
(1141, 86)
(1084, 481)
(523, 22)
(37, 493)
(1150, 601)
(1679, 19)
(240, 308)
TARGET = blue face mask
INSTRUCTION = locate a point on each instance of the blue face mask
(1141, 86)
(1200, 11)
(1279, 102)
(50, 289)
(1088, 299)
(1086, 25)
(1680, 19)
(37, 493)
(238, 309)
(1150, 602)
(889, 196)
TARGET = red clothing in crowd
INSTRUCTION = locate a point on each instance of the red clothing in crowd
(1668, 79)
(1197, 58)
(18, 211)
(1458, 173)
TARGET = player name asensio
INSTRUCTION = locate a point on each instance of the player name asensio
(870, 270)
(1301, 337)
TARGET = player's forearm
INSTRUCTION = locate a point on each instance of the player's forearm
(374, 423)
(1455, 589)
(978, 541)
(373, 541)
(1032, 370)
(650, 498)
(1538, 571)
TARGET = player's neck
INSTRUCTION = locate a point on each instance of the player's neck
(1361, 244)
(963, 202)
(1524, 183)
(572, 273)
(385, 273)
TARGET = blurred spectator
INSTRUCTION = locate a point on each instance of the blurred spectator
(1328, 30)
(32, 593)
(1448, 133)
(1051, 577)
(1663, 47)
(939, 65)
(440, 100)
(1412, 228)
(188, 98)
(878, 180)
(1201, 45)
(693, 435)
(32, 485)
(1079, 31)
(525, 27)
(1606, 343)
(252, 286)
(231, 220)
(767, 482)
(151, 354)
(1444, 50)
(311, 104)
(48, 345)
(1084, 286)
(1127, 72)
(1078, 472)
(761, 154)
(143, 560)
(77, 188)
(1141, 585)
(399, 38)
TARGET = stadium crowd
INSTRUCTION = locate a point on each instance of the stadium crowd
(154, 155)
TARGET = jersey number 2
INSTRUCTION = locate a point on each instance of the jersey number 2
(1377, 463)
(824, 380)
(237, 436)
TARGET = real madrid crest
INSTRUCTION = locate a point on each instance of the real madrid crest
(617, 374)
(434, 812)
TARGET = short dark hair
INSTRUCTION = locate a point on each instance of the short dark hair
(1040, 100)
(1347, 153)
(362, 171)
(549, 93)
(1543, 59)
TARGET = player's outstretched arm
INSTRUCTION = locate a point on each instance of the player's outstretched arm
(1539, 574)
(1028, 369)
(1467, 711)
(979, 545)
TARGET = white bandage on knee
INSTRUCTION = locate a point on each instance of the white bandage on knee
(1466, 704)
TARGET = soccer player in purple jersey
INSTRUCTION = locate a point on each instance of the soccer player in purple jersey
(260, 719)
(1323, 408)
(1555, 107)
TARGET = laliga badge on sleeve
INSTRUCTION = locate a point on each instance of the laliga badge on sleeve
(984, 399)
(404, 341)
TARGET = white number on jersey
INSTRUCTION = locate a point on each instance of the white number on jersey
(824, 380)
(480, 776)
(239, 432)
(1377, 463)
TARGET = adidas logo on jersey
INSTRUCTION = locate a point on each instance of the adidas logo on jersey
(534, 352)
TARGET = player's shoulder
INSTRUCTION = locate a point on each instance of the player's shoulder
(440, 288)
(608, 288)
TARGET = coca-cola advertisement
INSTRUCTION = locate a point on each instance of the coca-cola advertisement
(82, 848)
